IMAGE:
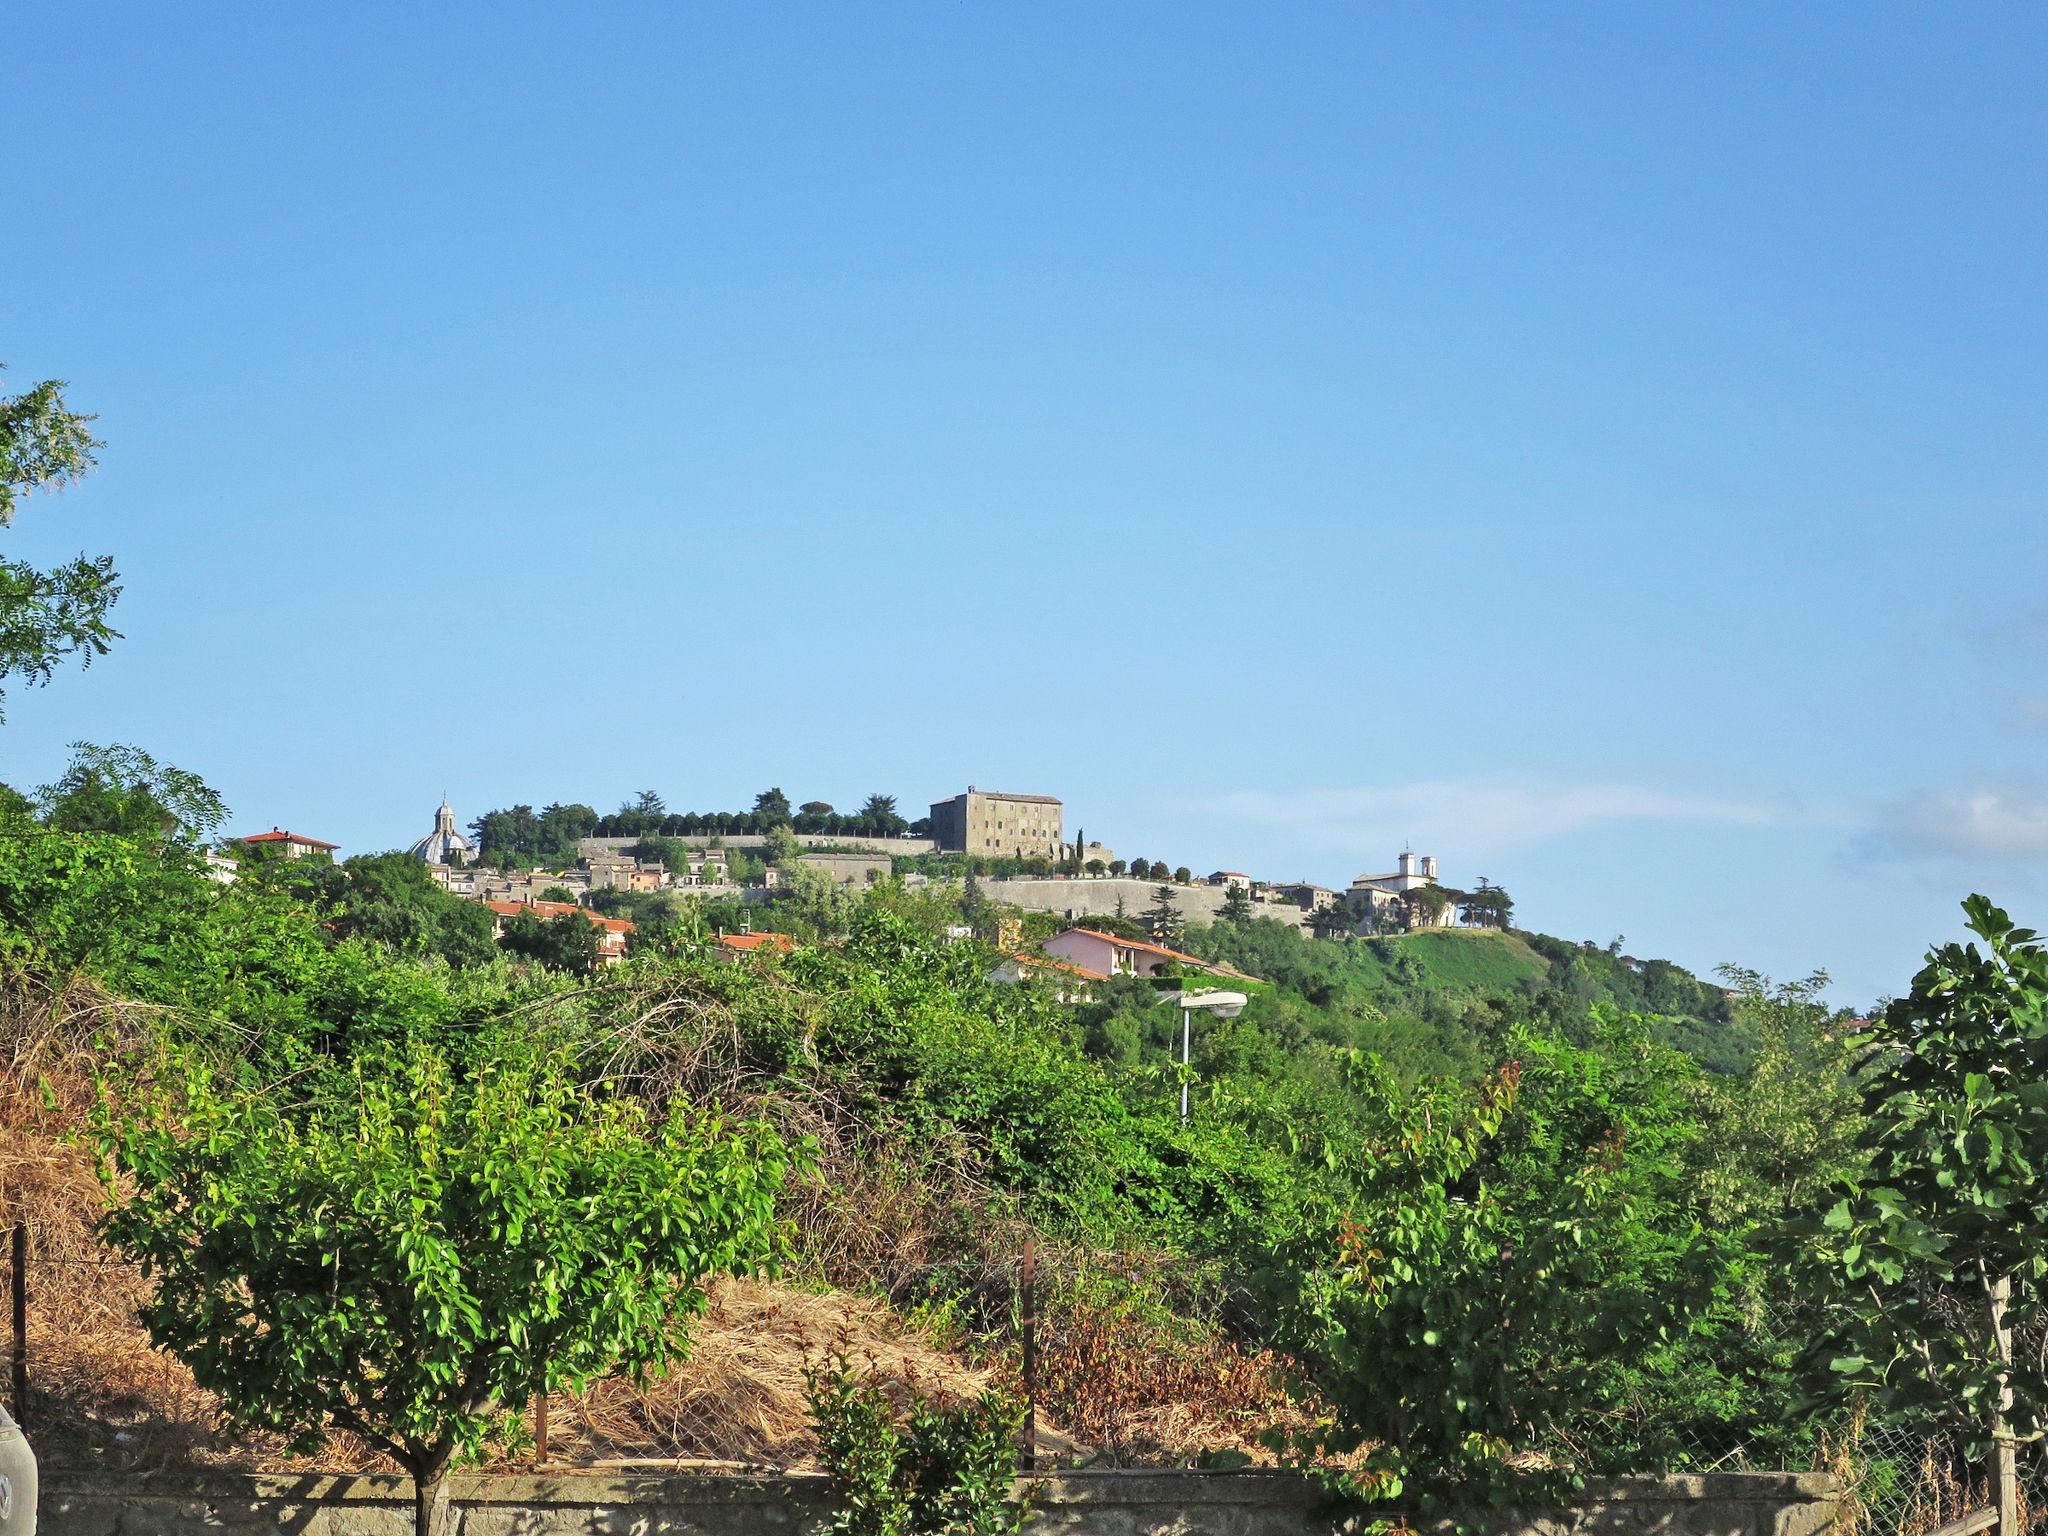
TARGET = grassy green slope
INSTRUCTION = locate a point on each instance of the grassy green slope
(1436, 987)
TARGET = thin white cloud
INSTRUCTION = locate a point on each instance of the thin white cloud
(1473, 813)
(2027, 631)
(1974, 825)
(2031, 710)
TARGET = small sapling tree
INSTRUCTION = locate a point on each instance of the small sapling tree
(1237, 906)
(413, 1255)
(1938, 1253)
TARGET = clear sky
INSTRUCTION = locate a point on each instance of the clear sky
(1602, 445)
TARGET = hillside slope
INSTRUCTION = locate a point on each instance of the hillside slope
(1432, 1000)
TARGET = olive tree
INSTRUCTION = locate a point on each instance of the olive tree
(414, 1253)
(1937, 1253)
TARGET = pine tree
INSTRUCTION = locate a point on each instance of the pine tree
(1163, 916)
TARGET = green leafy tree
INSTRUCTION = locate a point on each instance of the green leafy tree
(565, 942)
(1331, 922)
(1424, 905)
(1183, 875)
(772, 806)
(1782, 1131)
(124, 790)
(560, 893)
(782, 848)
(879, 816)
(816, 808)
(411, 1258)
(387, 899)
(1117, 866)
(1519, 1270)
(1237, 905)
(1487, 907)
(1937, 1255)
(48, 615)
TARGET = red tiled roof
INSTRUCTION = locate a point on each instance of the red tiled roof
(275, 836)
(780, 942)
(556, 909)
(1149, 947)
(1051, 963)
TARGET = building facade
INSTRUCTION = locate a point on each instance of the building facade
(280, 844)
(991, 825)
(1099, 955)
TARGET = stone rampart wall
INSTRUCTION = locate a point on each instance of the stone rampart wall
(1092, 897)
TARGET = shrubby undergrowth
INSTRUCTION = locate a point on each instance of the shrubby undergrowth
(1524, 1235)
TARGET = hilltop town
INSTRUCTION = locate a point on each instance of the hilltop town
(644, 861)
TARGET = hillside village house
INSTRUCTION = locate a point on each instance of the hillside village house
(990, 825)
(1069, 983)
(1099, 955)
(280, 844)
(612, 932)
(1230, 877)
(1309, 897)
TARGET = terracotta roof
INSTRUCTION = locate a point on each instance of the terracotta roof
(1050, 963)
(556, 909)
(275, 836)
(1144, 944)
(782, 943)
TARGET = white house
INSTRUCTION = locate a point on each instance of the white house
(1381, 891)
(1104, 954)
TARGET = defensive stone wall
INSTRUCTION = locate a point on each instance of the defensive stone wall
(100, 1503)
(1083, 898)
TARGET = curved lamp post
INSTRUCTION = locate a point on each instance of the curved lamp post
(1224, 1005)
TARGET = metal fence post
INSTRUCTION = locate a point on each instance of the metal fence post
(1027, 1451)
(20, 1278)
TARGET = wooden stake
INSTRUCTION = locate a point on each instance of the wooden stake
(21, 1323)
(2005, 1477)
(1027, 1452)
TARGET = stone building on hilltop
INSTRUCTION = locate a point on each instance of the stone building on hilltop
(991, 825)
(1380, 892)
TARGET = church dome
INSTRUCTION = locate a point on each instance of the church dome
(444, 845)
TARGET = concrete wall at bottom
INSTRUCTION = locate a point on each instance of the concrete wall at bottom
(101, 1503)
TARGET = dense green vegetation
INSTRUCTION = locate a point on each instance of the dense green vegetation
(891, 1050)
(1438, 1000)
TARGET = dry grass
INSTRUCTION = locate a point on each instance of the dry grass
(741, 1396)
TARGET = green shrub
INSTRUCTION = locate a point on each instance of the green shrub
(919, 1469)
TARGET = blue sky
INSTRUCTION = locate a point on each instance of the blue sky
(1602, 445)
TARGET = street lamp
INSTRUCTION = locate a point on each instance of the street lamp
(1224, 1005)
